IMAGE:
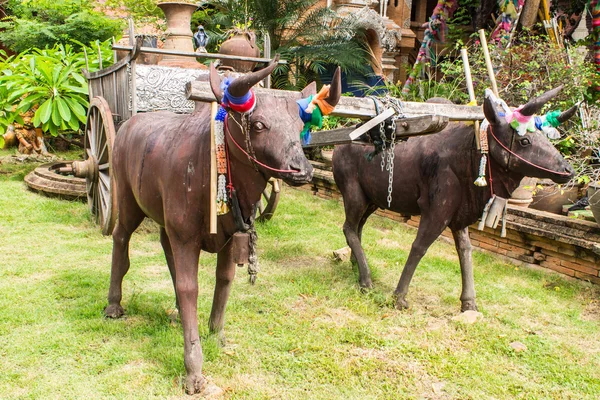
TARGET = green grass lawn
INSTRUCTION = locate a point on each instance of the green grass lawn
(304, 331)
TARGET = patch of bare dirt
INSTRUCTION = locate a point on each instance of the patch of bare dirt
(339, 317)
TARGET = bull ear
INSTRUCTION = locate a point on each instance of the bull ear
(242, 85)
(335, 90)
(489, 108)
(215, 83)
(535, 105)
(565, 115)
(309, 90)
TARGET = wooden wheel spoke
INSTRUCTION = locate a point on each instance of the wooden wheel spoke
(104, 180)
(93, 130)
(103, 152)
(103, 167)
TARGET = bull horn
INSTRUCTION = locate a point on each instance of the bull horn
(335, 90)
(215, 83)
(535, 105)
(242, 85)
(565, 115)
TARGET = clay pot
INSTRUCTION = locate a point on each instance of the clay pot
(243, 43)
(593, 193)
(550, 198)
(522, 196)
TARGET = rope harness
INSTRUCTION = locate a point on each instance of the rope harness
(521, 124)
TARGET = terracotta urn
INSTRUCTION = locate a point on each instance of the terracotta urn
(178, 34)
(593, 193)
(523, 195)
(242, 43)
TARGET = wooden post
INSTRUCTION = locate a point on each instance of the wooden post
(488, 61)
(213, 169)
(471, 90)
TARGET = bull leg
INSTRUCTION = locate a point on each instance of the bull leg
(370, 210)
(166, 245)
(185, 258)
(130, 217)
(355, 210)
(463, 248)
(430, 228)
(225, 274)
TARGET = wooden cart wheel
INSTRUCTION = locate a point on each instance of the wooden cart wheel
(269, 199)
(99, 140)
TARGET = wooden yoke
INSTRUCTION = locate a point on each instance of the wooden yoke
(417, 118)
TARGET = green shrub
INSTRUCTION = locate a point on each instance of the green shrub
(50, 80)
(44, 23)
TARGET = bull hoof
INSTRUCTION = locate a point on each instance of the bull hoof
(114, 311)
(366, 285)
(194, 384)
(402, 304)
(468, 305)
(220, 337)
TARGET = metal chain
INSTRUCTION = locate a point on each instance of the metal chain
(391, 157)
(383, 139)
(387, 157)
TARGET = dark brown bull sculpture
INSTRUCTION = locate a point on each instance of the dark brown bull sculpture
(433, 177)
(162, 171)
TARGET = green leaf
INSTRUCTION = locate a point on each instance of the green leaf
(75, 106)
(77, 109)
(76, 89)
(53, 129)
(74, 123)
(55, 114)
(44, 69)
(1, 142)
(79, 78)
(63, 109)
(45, 111)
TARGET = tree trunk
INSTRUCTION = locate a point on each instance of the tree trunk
(530, 12)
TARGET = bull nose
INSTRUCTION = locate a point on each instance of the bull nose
(570, 170)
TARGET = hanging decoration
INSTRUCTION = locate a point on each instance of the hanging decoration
(520, 123)
(435, 31)
(595, 8)
(243, 104)
(312, 109)
(508, 20)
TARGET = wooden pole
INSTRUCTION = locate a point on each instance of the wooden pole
(471, 90)
(213, 169)
(488, 61)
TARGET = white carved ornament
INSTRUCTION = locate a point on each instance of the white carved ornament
(163, 88)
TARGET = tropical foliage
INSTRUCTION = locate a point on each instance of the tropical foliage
(44, 23)
(49, 81)
(310, 37)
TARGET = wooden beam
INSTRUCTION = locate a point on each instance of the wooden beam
(196, 55)
(355, 107)
(405, 128)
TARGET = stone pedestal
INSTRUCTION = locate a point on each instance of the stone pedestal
(179, 35)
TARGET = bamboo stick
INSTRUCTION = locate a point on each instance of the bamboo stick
(213, 169)
(488, 62)
(471, 90)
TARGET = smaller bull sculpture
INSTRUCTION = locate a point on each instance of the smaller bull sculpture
(434, 177)
(161, 165)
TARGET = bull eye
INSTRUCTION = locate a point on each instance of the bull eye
(525, 142)
(258, 126)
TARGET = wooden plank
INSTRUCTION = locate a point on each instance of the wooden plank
(214, 56)
(355, 107)
(412, 126)
(364, 128)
